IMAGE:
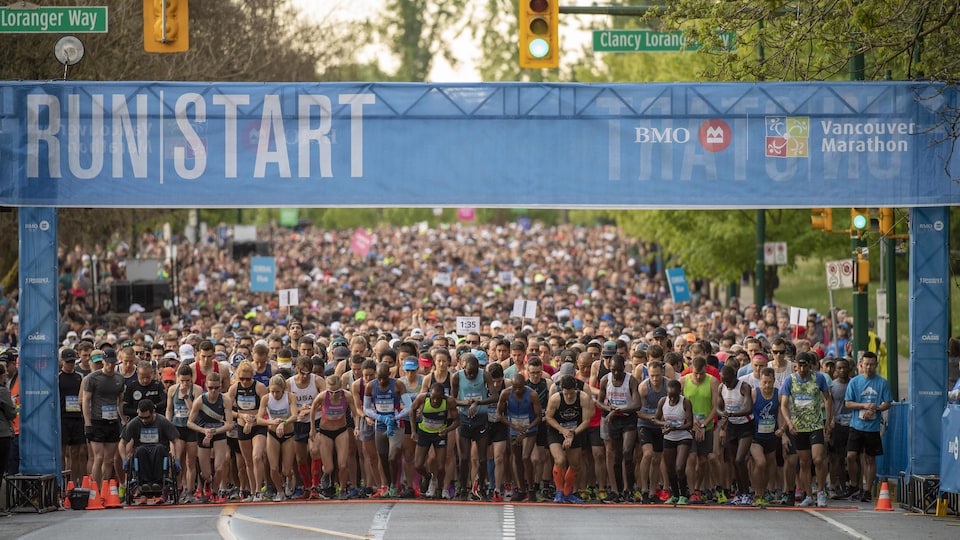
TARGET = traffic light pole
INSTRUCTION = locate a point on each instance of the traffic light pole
(890, 280)
(760, 272)
(860, 311)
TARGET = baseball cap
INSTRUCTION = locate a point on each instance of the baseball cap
(481, 356)
(110, 355)
(341, 353)
(169, 374)
(805, 358)
(171, 356)
(410, 364)
(68, 355)
(609, 349)
(416, 332)
(495, 325)
(659, 332)
(96, 357)
(186, 352)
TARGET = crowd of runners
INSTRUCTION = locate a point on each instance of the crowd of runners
(611, 393)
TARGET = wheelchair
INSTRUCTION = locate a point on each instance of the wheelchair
(163, 488)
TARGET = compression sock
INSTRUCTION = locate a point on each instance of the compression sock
(570, 482)
(558, 476)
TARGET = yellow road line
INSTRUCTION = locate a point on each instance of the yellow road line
(230, 511)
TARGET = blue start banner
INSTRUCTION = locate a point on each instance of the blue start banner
(39, 331)
(718, 145)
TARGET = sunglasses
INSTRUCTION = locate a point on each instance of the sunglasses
(246, 379)
(471, 342)
(213, 386)
(127, 344)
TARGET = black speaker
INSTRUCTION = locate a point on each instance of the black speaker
(259, 248)
(150, 294)
(121, 296)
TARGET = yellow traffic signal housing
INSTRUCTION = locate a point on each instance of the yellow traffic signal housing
(886, 221)
(859, 220)
(539, 42)
(863, 271)
(166, 26)
(822, 219)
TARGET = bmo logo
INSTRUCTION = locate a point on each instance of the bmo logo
(665, 135)
(715, 135)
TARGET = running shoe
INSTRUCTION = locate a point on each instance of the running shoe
(682, 501)
(696, 498)
(721, 496)
(475, 494)
(519, 496)
(807, 502)
(663, 495)
(497, 497)
(305, 495)
(508, 490)
(786, 499)
(558, 498)
(353, 493)
(760, 501)
(392, 492)
(638, 496)
(432, 489)
(602, 495)
(451, 491)
(672, 500)
(279, 497)
(821, 500)
(865, 497)
(407, 493)
(298, 494)
(257, 497)
(572, 499)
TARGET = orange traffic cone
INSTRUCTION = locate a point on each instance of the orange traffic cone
(883, 501)
(66, 496)
(111, 496)
(85, 483)
(95, 502)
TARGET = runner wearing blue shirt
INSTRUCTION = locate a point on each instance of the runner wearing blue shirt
(867, 394)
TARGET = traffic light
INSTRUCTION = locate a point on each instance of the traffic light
(165, 26)
(539, 43)
(863, 271)
(859, 219)
(886, 221)
(822, 219)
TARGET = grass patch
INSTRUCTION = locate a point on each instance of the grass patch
(806, 286)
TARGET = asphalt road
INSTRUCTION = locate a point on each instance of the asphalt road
(381, 520)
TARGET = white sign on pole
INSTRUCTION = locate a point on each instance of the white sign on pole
(524, 309)
(798, 316)
(465, 325)
(774, 253)
(839, 274)
(442, 279)
(506, 277)
(289, 297)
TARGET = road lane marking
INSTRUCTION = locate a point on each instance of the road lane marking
(849, 530)
(509, 527)
(230, 512)
(379, 526)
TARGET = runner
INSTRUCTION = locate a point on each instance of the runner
(675, 416)
(702, 391)
(568, 415)
(868, 395)
(73, 442)
(305, 385)
(620, 398)
(330, 432)
(102, 407)
(278, 410)
(767, 436)
(471, 388)
(437, 417)
(520, 408)
(248, 394)
(381, 403)
(837, 449)
(212, 417)
(649, 432)
(180, 398)
(735, 404)
(802, 397)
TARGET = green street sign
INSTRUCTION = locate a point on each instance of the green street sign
(650, 41)
(54, 20)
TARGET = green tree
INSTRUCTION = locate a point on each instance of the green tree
(419, 30)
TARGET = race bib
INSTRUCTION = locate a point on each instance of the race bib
(71, 403)
(180, 410)
(569, 424)
(521, 422)
(803, 400)
(844, 419)
(109, 412)
(385, 407)
(432, 424)
(149, 435)
(247, 403)
(766, 425)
